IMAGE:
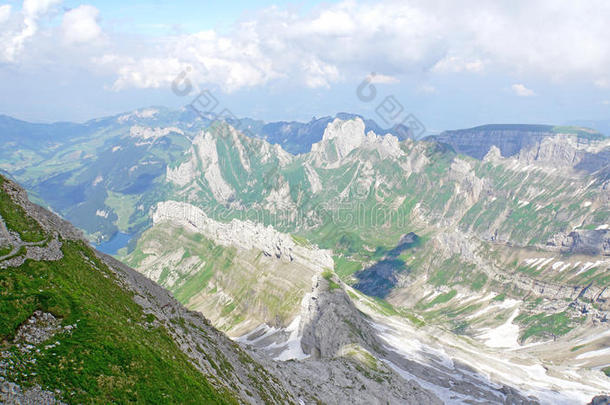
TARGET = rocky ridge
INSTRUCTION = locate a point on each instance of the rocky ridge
(341, 137)
(245, 235)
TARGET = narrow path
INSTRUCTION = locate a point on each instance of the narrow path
(15, 242)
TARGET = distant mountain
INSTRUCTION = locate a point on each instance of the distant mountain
(297, 137)
(294, 137)
(603, 126)
(510, 139)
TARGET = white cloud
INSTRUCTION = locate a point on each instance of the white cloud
(80, 25)
(5, 13)
(522, 91)
(377, 78)
(605, 102)
(319, 74)
(18, 28)
(231, 63)
(36, 8)
(144, 73)
(603, 83)
(314, 50)
(347, 40)
(458, 64)
(400, 37)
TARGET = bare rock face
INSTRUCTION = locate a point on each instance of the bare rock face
(346, 382)
(509, 139)
(600, 400)
(243, 234)
(331, 321)
(582, 241)
(567, 151)
(593, 242)
(13, 394)
(342, 137)
(470, 186)
(38, 328)
(542, 145)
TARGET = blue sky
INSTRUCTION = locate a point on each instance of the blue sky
(167, 17)
(451, 64)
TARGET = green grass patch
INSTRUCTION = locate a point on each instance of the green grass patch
(124, 206)
(386, 307)
(112, 356)
(546, 326)
(441, 299)
(299, 240)
(478, 281)
(5, 250)
(345, 267)
(328, 276)
(16, 219)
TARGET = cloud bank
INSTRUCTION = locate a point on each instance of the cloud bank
(559, 40)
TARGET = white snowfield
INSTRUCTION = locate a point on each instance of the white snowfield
(496, 362)
(492, 362)
(504, 336)
(559, 265)
(285, 342)
(595, 353)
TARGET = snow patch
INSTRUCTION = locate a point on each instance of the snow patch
(503, 336)
(596, 353)
(313, 178)
(102, 213)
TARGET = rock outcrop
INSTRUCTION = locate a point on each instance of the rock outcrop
(342, 137)
(330, 321)
(245, 235)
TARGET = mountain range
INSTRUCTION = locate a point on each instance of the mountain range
(469, 266)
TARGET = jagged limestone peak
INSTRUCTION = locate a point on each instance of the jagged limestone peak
(341, 137)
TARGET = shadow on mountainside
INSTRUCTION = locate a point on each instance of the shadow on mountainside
(379, 279)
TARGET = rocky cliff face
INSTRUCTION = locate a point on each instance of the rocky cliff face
(245, 235)
(509, 139)
(342, 137)
(298, 137)
(330, 322)
(545, 145)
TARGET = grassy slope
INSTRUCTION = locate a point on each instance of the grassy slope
(245, 282)
(115, 353)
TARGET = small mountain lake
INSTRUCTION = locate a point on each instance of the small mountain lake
(111, 247)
